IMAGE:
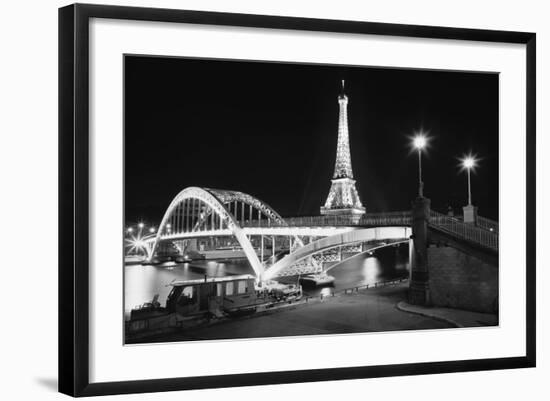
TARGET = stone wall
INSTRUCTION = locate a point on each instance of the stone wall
(459, 280)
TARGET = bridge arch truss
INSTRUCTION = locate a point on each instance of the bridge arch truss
(376, 237)
(197, 210)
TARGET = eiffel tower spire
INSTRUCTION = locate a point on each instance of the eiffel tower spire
(343, 199)
(342, 168)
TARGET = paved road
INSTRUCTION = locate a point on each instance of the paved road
(369, 310)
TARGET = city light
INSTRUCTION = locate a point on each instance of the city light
(136, 244)
(141, 225)
(152, 230)
(469, 162)
(419, 142)
(129, 230)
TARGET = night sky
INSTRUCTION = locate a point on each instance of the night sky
(270, 130)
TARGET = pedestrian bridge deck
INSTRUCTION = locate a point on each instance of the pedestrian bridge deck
(483, 233)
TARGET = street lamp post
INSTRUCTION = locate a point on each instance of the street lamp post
(419, 288)
(470, 211)
(419, 142)
(469, 163)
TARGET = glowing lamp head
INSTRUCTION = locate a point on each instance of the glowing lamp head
(152, 229)
(469, 162)
(419, 142)
(130, 229)
(136, 244)
(141, 225)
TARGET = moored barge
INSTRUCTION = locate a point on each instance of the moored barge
(192, 302)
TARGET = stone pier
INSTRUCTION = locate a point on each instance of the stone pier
(419, 290)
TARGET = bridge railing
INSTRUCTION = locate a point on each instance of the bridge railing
(487, 224)
(463, 230)
(483, 223)
(260, 223)
(386, 219)
(369, 219)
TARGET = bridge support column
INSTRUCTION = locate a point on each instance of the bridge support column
(261, 248)
(192, 245)
(419, 291)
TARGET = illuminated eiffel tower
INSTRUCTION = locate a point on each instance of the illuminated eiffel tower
(343, 199)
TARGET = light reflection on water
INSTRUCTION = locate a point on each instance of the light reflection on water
(371, 270)
(383, 265)
(143, 282)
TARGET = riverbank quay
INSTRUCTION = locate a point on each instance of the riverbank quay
(455, 317)
(366, 310)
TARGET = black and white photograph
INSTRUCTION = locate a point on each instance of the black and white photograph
(267, 199)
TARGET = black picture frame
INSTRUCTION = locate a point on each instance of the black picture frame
(74, 198)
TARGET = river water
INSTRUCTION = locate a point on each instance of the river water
(143, 282)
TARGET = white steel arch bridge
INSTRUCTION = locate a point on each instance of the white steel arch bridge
(310, 241)
(204, 212)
